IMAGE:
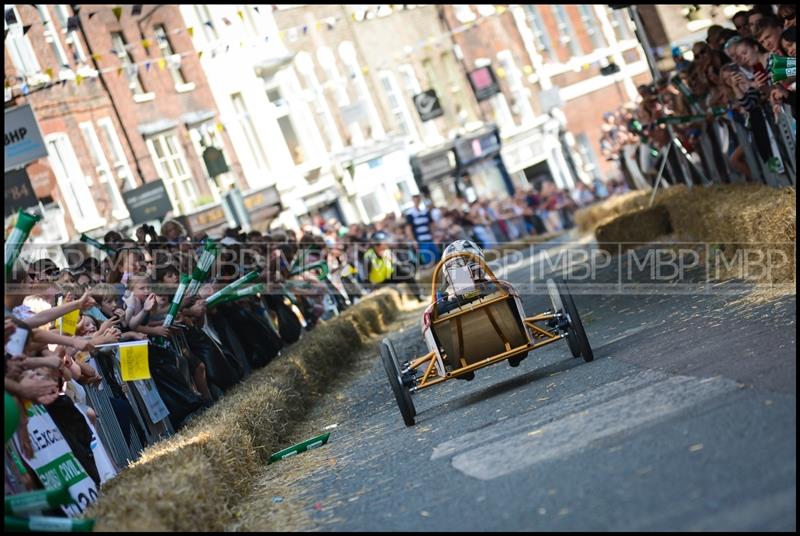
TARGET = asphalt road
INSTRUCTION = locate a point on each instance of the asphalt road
(685, 420)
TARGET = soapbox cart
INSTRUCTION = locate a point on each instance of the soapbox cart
(477, 329)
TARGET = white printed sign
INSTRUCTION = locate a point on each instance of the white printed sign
(54, 463)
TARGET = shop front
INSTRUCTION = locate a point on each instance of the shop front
(436, 174)
(530, 158)
(480, 165)
(261, 207)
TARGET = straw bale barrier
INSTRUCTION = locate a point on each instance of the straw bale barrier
(731, 216)
(633, 229)
(193, 480)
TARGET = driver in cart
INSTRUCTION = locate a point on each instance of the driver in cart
(466, 283)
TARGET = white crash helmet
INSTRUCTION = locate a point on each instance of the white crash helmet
(460, 270)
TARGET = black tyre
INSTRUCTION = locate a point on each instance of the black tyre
(396, 364)
(401, 394)
(554, 292)
(575, 324)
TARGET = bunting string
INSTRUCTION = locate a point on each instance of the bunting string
(45, 79)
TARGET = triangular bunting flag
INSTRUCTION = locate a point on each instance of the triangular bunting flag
(117, 12)
(63, 82)
(365, 70)
(78, 79)
(136, 10)
(162, 63)
(26, 28)
(199, 54)
(209, 24)
(96, 57)
(11, 18)
(318, 25)
(255, 8)
(220, 126)
(147, 65)
(190, 31)
(226, 21)
(25, 89)
(146, 43)
(241, 14)
(305, 29)
(119, 71)
(92, 14)
(72, 23)
(49, 71)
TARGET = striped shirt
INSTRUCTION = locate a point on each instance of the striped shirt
(420, 221)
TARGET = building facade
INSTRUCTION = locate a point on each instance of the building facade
(135, 107)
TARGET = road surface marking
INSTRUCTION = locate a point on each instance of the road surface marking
(575, 431)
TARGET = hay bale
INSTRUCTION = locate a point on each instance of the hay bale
(730, 217)
(192, 481)
(633, 229)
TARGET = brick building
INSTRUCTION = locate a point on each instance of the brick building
(547, 59)
(151, 115)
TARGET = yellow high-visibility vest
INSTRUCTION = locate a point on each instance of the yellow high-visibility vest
(380, 268)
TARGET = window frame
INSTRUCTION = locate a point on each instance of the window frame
(102, 169)
(180, 187)
(72, 182)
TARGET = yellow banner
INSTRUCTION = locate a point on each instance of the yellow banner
(133, 362)
(69, 322)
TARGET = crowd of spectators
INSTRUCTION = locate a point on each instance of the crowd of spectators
(122, 289)
(725, 88)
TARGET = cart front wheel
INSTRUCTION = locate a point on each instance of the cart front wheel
(575, 324)
(400, 391)
(554, 291)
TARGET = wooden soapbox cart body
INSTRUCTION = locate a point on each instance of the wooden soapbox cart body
(480, 331)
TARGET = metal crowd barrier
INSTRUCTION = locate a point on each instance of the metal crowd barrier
(110, 429)
(710, 162)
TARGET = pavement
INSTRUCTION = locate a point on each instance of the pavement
(685, 420)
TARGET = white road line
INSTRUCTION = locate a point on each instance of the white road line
(535, 419)
(511, 453)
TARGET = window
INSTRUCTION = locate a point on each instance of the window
(171, 167)
(51, 36)
(246, 124)
(72, 183)
(464, 13)
(540, 35)
(454, 79)
(591, 25)
(566, 30)
(167, 52)
(372, 206)
(306, 67)
(397, 105)
(249, 20)
(72, 39)
(205, 21)
(103, 170)
(118, 160)
(282, 114)
(621, 22)
(131, 69)
(19, 46)
(522, 105)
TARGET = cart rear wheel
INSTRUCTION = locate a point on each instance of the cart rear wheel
(401, 394)
(575, 324)
(554, 291)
